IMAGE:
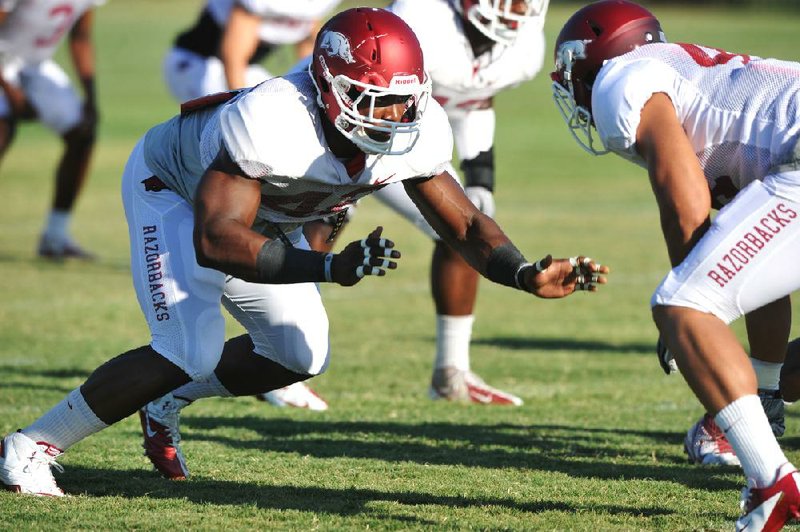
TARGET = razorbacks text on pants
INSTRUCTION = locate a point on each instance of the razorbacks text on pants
(751, 244)
(155, 274)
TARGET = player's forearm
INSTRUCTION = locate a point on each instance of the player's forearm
(228, 246)
(82, 52)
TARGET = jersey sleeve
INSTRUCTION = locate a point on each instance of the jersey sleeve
(618, 96)
(434, 148)
(245, 138)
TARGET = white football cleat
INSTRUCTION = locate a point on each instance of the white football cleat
(768, 509)
(25, 466)
(706, 444)
(297, 395)
(463, 385)
(162, 437)
(61, 248)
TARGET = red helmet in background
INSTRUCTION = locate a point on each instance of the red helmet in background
(593, 35)
(365, 58)
(502, 20)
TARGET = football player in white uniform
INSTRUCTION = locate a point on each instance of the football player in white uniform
(215, 200)
(32, 86)
(714, 130)
(224, 48)
(473, 50)
(223, 51)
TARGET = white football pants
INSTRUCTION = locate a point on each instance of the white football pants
(189, 75)
(181, 300)
(49, 91)
(747, 258)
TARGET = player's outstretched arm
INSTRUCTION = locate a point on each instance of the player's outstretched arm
(226, 205)
(487, 249)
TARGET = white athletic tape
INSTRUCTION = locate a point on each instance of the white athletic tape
(366, 261)
(382, 243)
(360, 272)
(364, 243)
(387, 252)
(538, 266)
(573, 262)
(385, 263)
(586, 260)
(367, 252)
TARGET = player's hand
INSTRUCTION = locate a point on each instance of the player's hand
(665, 358)
(554, 278)
(482, 198)
(370, 256)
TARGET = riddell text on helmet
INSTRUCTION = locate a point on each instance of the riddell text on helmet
(751, 244)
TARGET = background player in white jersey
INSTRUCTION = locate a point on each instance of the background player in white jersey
(473, 50)
(32, 86)
(215, 200)
(224, 48)
(713, 129)
(223, 51)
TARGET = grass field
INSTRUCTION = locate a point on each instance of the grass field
(597, 445)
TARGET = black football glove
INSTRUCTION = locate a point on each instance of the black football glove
(665, 359)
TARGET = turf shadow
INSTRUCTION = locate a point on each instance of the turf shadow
(563, 344)
(572, 450)
(318, 500)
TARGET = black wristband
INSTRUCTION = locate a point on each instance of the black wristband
(479, 172)
(280, 264)
(505, 265)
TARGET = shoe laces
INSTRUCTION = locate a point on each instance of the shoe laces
(167, 414)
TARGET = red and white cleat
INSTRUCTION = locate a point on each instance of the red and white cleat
(768, 509)
(61, 248)
(460, 385)
(297, 395)
(162, 437)
(706, 444)
(25, 466)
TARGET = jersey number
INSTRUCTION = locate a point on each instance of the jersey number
(63, 12)
(702, 58)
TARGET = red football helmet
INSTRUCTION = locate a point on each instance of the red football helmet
(366, 58)
(593, 35)
(501, 20)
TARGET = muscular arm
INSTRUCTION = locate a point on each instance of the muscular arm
(226, 204)
(82, 52)
(452, 215)
(306, 46)
(678, 183)
(239, 42)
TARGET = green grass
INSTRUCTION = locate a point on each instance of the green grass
(597, 445)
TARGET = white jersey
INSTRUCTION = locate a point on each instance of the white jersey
(33, 30)
(282, 21)
(461, 80)
(273, 132)
(741, 113)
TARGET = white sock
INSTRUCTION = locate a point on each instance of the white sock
(453, 334)
(57, 224)
(745, 424)
(767, 373)
(65, 424)
(194, 390)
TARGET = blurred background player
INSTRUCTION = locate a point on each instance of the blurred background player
(35, 87)
(714, 130)
(223, 51)
(224, 48)
(473, 50)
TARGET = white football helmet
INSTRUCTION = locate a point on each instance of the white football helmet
(502, 20)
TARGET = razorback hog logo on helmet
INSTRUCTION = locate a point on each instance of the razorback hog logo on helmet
(337, 44)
